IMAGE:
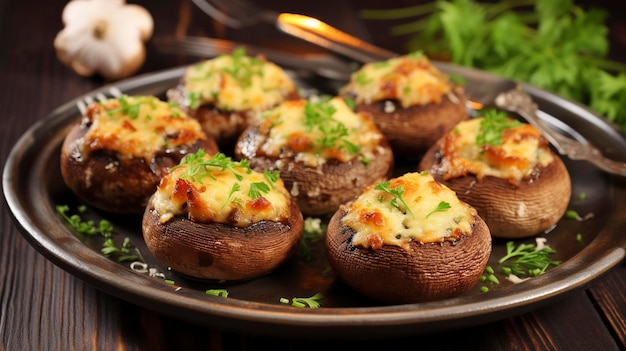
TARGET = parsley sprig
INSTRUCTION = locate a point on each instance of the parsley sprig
(493, 123)
(526, 260)
(441, 206)
(320, 115)
(538, 42)
(397, 196)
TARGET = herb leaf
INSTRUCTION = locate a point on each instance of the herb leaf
(397, 193)
(442, 206)
(494, 122)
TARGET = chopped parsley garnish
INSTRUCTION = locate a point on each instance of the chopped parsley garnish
(199, 166)
(301, 302)
(527, 260)
(319, 115)
(397, 193)
(442, 206)
(217, 292)
(491, 127)
(105, 229)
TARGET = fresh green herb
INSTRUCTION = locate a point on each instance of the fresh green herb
(350, 102)
(572, 214)
(217, 292)
(527, 260)
(579, 237)
(442, 206)
(244, 68)
(319, 115)
(582, 196)
(492, 125)
(397, 193)
(301, 302)
(537, 42)
(169, 281)
(105, 229)
(488, 276)
(257, 189)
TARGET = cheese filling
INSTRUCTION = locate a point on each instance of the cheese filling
(412, 207)
(214, 189)
(518, 154)
(410, 79)
(236, 83)
(313, 132)
(138, 126)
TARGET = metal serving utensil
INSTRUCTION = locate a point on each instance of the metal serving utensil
(517, 100)
(241, 13)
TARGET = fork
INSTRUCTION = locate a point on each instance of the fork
(517, 100)
(243, 13)
(101, 95)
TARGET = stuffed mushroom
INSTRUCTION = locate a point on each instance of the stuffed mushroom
(408, 240)
(506, 170)
(115, 156)
(326, 153)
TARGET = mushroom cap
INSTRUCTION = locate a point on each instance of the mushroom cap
(512, 210)
(216, 251)
(423, 272)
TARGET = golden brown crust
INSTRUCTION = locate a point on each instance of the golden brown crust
(511, 210)
(411, 131)
(319, 190)
(112, 183)
(219, 251)
(423, 272)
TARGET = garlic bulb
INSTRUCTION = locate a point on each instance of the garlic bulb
(103, 37)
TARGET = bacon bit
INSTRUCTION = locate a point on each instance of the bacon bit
(375, 218)
(375, 242)
(259, 204)
(298, 142)
(127, 125)
(180, 191)
(198, 210)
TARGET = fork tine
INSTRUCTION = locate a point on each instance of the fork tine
(100, 96)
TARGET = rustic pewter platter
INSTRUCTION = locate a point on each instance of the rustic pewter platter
(33, 187)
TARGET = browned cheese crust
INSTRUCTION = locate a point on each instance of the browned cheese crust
(112, 183)
(423, 272)
(319, 190)
(512, 210)
(216, 251)
(224, 126)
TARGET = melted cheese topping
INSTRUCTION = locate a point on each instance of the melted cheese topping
(221, 195)
(522, 150)
(138, 126)
(237, 83)
(294, 129)
(434, 213)
(410, 79)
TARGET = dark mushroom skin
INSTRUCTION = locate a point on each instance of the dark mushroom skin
(412, 130)
(222, 252)
(117, 183)
(526, 209)
(422, 272)
(319, 190)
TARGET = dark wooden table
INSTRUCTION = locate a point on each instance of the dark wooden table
(45, 308)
